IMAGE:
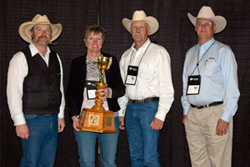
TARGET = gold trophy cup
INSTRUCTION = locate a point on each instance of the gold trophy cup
(97, 119)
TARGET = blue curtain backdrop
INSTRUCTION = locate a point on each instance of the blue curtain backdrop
(176, 34)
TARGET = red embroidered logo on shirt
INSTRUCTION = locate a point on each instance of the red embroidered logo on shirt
(211, 58)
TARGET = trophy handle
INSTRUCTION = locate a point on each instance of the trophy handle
(110, 62)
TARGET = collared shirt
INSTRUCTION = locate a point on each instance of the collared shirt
(18, 70)
(219, 81)
(154, 77)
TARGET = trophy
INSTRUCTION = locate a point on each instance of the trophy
(97, 119)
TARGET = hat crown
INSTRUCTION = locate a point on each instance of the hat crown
(41, 19)
(139, 15)
(206, 12)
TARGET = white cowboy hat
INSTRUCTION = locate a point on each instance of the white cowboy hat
(141, 16)
(207, 13)
(24, 29)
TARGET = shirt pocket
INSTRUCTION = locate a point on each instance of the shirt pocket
(146, 71)
(211, 68)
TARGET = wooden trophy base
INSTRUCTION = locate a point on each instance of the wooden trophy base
(97, 121)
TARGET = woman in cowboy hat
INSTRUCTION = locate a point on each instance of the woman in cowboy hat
(35, 92)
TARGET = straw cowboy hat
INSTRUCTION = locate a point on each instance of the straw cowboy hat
(141, 16)
(24, 29)
(207, 13)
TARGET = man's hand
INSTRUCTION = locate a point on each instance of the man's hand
(184, 119)
(75, 123)
(61, 124)
(221, 128)
(122, 127)
(156, 124)
(22, 131)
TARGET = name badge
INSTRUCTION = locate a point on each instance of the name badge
(131, 75)
(193, 87)
(91, 89)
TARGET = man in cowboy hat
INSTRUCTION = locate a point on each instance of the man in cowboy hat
(35, 92)
(146, 72)
(210, 93)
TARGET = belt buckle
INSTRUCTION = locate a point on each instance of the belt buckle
(138, 101)
(47, 115)
(202, 106)
(197, 106)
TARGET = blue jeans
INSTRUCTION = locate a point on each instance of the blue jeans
(39, 150)
(86, 142)
(143, 141)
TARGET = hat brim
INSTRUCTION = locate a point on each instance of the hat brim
(219, 21)
(24, 30)
(151, 21)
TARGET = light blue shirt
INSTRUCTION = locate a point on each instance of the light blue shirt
(219, 80)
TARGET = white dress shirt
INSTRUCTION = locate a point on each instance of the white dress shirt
(154, 77)
(18, 70)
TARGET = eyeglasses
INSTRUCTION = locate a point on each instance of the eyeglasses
(207, 24)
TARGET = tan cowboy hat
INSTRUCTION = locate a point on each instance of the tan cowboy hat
(207, 13)
(141, 16)
(24, 29)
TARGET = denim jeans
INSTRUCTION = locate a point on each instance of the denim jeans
(86, 142)
(143, 141)
(39, 150)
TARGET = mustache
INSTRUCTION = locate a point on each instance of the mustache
(47, 39)
(137, 33)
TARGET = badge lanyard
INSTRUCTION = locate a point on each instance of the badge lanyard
(198, 61)
(194, 81)
(132, 71)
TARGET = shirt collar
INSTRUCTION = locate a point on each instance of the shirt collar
(206, 45)
(143, 47)
(34, 50)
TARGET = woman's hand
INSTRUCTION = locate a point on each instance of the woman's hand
(104, 93)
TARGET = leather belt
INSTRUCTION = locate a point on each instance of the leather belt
(145, 100)
(207, 105)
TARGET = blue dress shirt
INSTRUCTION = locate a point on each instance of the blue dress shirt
(219, 82)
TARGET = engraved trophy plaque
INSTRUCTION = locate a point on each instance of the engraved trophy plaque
(97, 119)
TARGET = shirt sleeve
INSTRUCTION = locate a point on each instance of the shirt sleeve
(62, 106)
(123, 101)
(230, 79)
(18, 70)
(185, 103)
(166, 90)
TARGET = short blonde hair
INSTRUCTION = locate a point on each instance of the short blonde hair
(93, 28)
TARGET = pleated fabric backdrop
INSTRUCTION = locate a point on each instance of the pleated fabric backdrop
(176, 34)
